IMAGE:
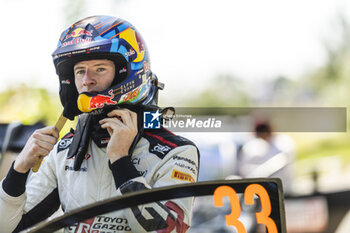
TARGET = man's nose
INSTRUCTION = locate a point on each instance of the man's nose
(89, 79)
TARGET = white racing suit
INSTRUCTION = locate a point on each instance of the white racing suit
(159, 159)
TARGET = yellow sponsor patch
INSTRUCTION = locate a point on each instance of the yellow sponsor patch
(182, 176)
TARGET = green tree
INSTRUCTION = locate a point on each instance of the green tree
(331, 82)
(222, 91)
(29, 105)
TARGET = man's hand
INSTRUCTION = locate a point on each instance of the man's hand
(122, 127)
(39, 144)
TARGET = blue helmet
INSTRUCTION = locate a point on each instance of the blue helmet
(105, 37)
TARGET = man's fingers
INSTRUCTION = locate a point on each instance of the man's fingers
(112, 125)
(40, 143)
(111, 121)
(122, 113)
(44, 140)
(47, 138)
(39, 151)
(126, 115)
(45, 145)
(49, 130)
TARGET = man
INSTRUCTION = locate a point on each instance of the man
(105, 78)
(268, 154)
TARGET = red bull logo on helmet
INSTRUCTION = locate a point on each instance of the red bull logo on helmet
(79, 32)
(89, 103)
(79, 35)
(76, 41)
(99, 101)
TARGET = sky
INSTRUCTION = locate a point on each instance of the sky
(190, 41)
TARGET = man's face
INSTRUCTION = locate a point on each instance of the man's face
(93, 75)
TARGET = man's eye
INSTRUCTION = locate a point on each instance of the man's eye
(100, 69)
(80, 72)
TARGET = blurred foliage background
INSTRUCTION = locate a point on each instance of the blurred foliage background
(326, 86)
(29, 105)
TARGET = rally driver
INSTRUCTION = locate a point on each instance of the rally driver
(105, 77)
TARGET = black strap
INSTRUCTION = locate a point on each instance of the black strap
(139, 132)
(80, 141)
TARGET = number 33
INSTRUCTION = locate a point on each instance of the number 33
(262, 217)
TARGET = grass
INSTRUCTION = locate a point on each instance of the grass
(327, 144)
(314, 150)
